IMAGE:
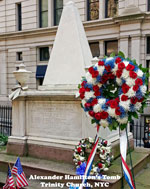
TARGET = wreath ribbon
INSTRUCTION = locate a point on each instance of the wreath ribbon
(123, 151)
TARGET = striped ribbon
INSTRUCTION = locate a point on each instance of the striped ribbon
(90, 159)
(123, 151)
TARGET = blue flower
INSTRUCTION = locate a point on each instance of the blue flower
(132, 108)
(90, 100)
(109, 119)
(123, 112)
(143, 78)
(90, 86)
(139, 94)
(81, 169)
(120, 91)
(104, 107)
(98, 79)
(110, 63)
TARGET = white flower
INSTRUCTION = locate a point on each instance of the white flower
(109, 59)
(101, 69)
(91, 140)
(115, 69)
(125, 74)
(125, 104)
(83, 102)
(119, 81)
(97, 108)
(130, 81)
(126, 62)
(131, 93)
(105, 169)
(102, 101)
(111, 112)
(138, 105)
(89, 94)
(123, 120)
(139, 73)
(82, 158)
(104, 123)
(90, 79)
(143, 89)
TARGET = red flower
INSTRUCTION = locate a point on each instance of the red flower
(118, 60)
(87, 105)
(103, 151)
(105, 143)
(117, 99)
(124, 98)
(108, 68)
(104, 115)
(79, 162)
(94, 74)
(91, 70)
(119, 73)
(135, 87)
(141, 100)
(111, 76)
(133, 74)
(95, 88)
(101, 63)
(91, 113)
(97, 93)
(100, 165)
(117, 111)
(121, 66)
(134, 100)
(113, 103)
(98, 116)
(79, 149)
(125, 88)
(82, 90)
(139, 81)
(130, 67)
(83, 83)
(94, 102)
(82, 96)
(87, 89)
(104, 78)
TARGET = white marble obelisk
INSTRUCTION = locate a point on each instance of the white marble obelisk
(71, 52)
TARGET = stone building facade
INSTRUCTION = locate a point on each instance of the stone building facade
(28, 29)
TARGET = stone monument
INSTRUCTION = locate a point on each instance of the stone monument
(47, 123)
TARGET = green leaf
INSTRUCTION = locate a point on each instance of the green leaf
(123, 126)
(93, 121)
(135, 115)
(121, 54)
(134, 62)
(81, 105)
(112, 54)
(79, 86)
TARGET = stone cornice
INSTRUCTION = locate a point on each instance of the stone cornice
(88, 25)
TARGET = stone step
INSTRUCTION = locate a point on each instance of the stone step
(142, 178)
(34, 166)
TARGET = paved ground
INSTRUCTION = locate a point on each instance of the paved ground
(142, 179)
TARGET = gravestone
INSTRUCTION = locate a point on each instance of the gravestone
(47, 123)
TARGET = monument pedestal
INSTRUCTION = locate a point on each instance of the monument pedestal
(48, 124)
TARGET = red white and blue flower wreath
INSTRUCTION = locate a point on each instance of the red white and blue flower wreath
(112, 91)
(102, 161)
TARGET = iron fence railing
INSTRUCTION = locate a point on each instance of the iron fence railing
(5, 120)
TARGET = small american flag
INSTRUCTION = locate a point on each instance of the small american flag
(21, 180)
(15, 168)
(9, 181)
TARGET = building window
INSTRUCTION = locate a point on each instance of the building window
(111, 47)
(19, 17)
(148, 66)
(43, 13)
(40, 73)
(148, 7)
(58, 7)
(19, 56)
(111, 8)
(148, 45)
(92, 9)
(95, 49)
(44, 53)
